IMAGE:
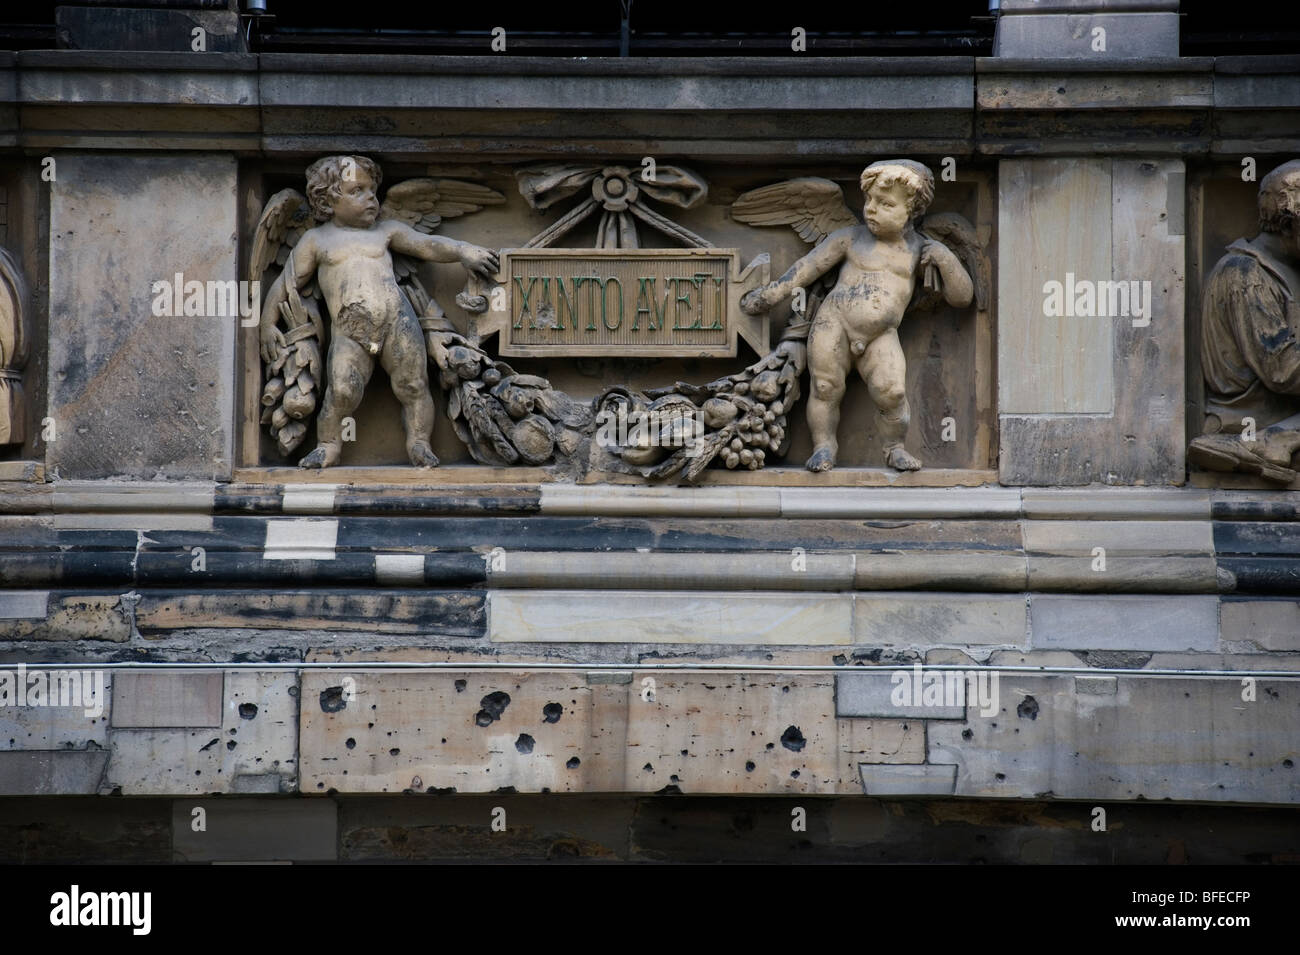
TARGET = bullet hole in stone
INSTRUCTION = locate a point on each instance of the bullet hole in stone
(506, 790)
(293, 691)
(394, 751)
(967, 734)
(573, 763)
(370, 726)
(320, 785)
(204, 749)
(674, 779)
(524, 744)
(444, 739)
(460, 686)
(785, 689)
(999, 776)
(331, 699)
(647, 768)
(994, 725)
(494, 704)
(230, 744)
(247, 711)
(552, 712)
(839, 659)
(792, 739)
(233, 731)
(196, 772)
(350, 743)
(441, 791)
(1288, 764)
(416, 783)
(1028, 708)
(684, 753)
(771, 745)
(749, 766)
(669, 791)
(545, 790)
(794, 774)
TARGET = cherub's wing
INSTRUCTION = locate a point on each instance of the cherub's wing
(424, 203)
(960, 236)
(286, 216)
(812, 206)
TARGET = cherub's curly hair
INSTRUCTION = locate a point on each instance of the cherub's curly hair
(915, 177)
(325, 181)
(1279, 198)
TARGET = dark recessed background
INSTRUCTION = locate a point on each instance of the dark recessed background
(668, 27)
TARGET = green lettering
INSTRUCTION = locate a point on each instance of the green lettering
(523, 301)
(562, 296)
(684, 299)
(645, 293)
(604, 308)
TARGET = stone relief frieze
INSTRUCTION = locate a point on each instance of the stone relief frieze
(345, 294)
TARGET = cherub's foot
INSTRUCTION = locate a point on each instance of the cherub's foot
(324, 456)
(422, 455)
(898, 458)
(823, 459)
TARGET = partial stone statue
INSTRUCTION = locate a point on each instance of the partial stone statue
(1250, 342)
(868, 280)
(361, 258)
(13, 350)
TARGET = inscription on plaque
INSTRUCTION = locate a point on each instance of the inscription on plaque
(635, 302)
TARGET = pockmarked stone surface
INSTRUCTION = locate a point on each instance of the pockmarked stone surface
(1150, 739)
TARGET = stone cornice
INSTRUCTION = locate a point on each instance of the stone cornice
(736, 108)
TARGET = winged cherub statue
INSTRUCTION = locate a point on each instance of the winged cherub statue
(359, 257)
(879, 262)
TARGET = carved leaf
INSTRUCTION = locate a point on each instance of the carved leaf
(812, 206)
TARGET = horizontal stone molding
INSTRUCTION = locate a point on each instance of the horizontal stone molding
(281, 104)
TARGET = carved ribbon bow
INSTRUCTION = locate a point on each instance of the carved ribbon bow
(619, 192)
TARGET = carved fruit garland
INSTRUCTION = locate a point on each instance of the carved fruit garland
(290, 393)
(503, 417)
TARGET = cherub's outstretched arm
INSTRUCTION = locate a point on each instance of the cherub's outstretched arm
(816, 263)
(302, 262)
(437, 248)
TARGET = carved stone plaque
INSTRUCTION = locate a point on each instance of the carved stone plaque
(625, 302)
